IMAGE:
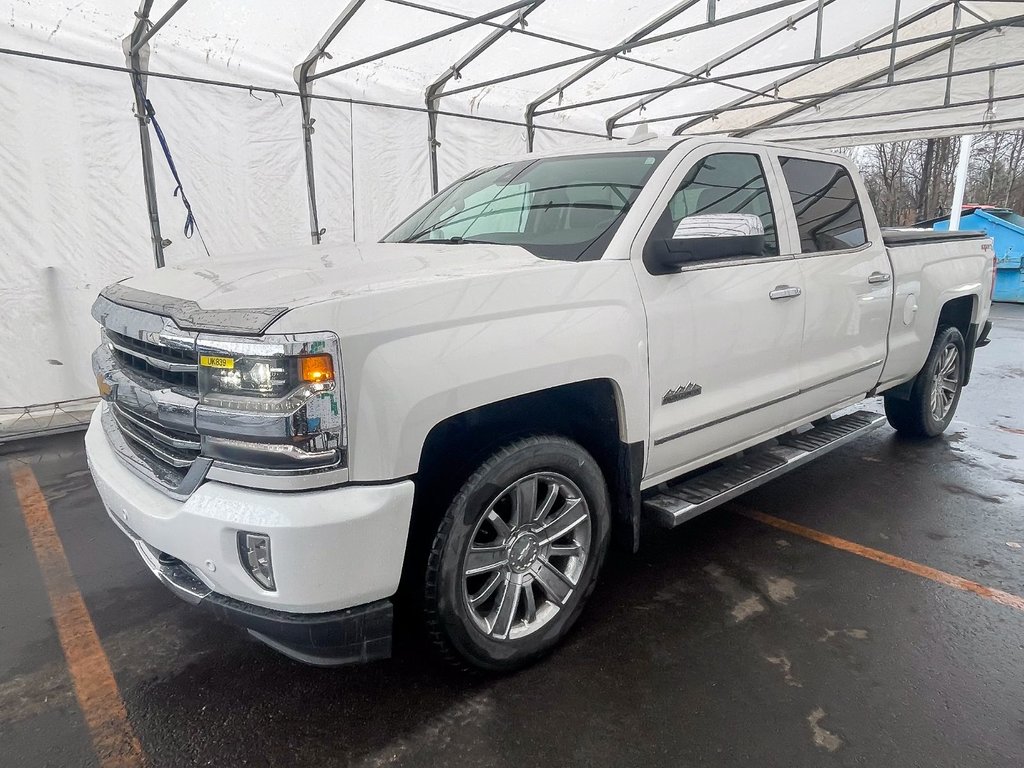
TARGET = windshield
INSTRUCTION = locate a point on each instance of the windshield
(557, 207)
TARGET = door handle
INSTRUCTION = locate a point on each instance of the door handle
(879, 277)
(784, 292)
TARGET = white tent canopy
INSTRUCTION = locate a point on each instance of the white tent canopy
(402, 96)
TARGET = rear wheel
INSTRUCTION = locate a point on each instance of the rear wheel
(936, 390)
(517, 554)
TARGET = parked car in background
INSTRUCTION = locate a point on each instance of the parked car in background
(461, 418)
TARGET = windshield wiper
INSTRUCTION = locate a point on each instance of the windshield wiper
(456, 240)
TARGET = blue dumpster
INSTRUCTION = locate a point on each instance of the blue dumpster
(1006, 229)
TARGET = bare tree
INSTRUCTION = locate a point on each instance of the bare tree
(913, 180)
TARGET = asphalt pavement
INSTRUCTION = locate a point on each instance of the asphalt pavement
(851, 633)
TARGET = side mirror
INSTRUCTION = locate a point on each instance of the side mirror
(707, 237)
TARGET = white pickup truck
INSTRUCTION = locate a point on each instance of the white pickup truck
(458, 420)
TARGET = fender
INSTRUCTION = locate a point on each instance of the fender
(415, 357)
(928, 279)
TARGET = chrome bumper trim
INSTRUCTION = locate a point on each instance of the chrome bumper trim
(173, 573)
(268, 480)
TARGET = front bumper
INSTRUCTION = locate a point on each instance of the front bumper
(337, 554)
(352, 635)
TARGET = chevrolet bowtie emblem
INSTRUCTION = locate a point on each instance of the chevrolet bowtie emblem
(681, 393)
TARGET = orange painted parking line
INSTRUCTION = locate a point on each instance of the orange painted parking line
(112, 735)
(924, 571)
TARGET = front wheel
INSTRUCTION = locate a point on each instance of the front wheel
(517, 554)
(936, 390)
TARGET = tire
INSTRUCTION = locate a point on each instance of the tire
(935, 392)
(532, 573)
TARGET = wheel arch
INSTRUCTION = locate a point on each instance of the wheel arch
(959, 312)
(590, 412)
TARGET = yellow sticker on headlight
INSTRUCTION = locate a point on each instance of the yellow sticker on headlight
(208, 361)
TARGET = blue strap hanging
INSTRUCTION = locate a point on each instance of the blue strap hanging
(191, 226)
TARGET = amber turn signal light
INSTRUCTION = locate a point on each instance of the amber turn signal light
(316, 368)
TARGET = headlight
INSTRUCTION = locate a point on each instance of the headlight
(273, 403)
(264, 383)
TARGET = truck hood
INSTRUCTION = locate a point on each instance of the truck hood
(293, 277)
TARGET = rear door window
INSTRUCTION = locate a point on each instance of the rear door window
(828, 212)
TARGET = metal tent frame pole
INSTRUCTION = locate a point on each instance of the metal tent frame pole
(590, 66)
(1012, 21)
(894, 112)
(136, 52)
(617, 50)
(305, 75)
(895, 36)
(302, 75)
(274, 91)
(846, 91)
(530, 124)
(741, 103)
(705, 69)
(156, 26)
(819, 28)
(136, 48)
(949, 42)
(967, 8)
(952, 53)
(476, 20)
(434, 91)
(552, 39)
(947, 129)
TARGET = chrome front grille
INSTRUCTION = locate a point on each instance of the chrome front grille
(174, 448)
(174, 365)
(147, 369)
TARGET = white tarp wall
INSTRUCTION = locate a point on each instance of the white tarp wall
(72, 206)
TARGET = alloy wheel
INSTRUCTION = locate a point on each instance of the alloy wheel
(946, 382)
(526, 555)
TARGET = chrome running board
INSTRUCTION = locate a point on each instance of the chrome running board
(679, 501)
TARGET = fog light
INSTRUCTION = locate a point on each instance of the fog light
(254, 549)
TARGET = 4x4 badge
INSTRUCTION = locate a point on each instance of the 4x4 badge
(681, 393)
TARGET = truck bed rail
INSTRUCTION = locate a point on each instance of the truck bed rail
(894, 238)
